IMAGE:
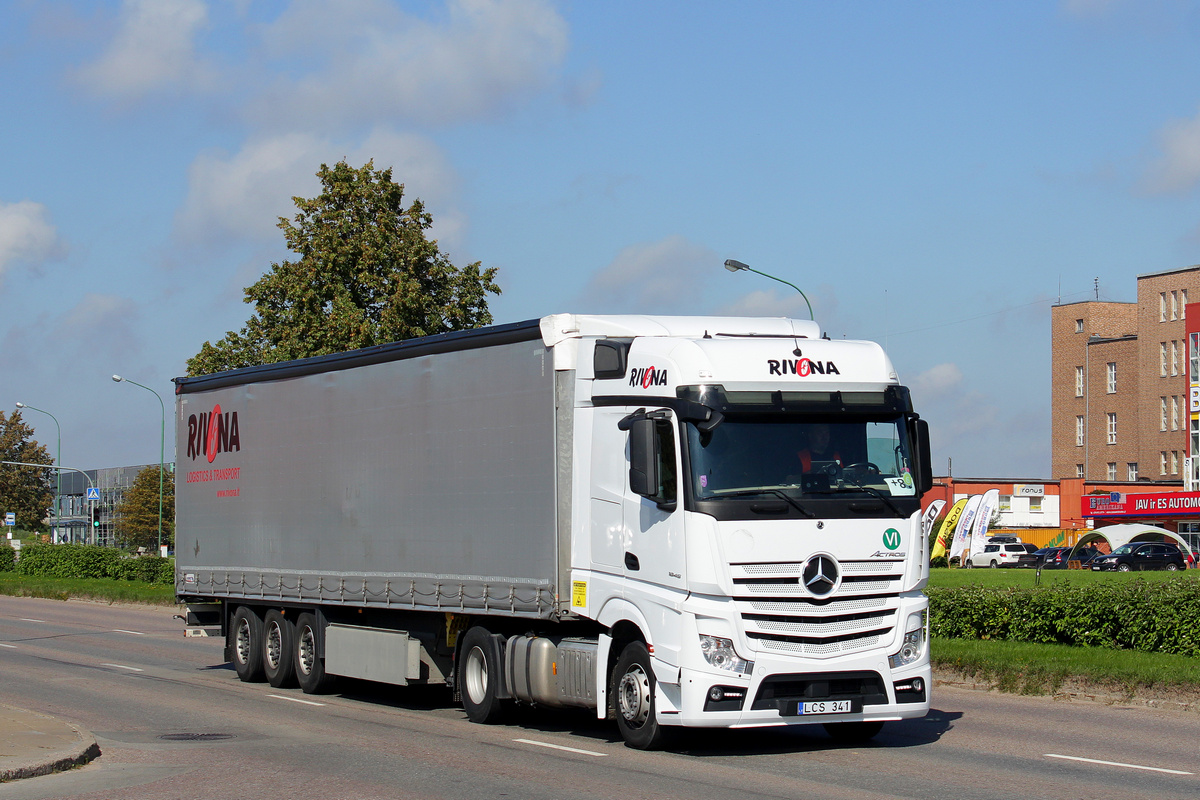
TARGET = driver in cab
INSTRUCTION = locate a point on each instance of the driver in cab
(821, 450)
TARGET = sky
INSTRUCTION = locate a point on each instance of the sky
(934, 175)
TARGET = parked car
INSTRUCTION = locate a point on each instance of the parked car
(1141, 556)
(1085, 556)
(1046, 558)
(997, 555)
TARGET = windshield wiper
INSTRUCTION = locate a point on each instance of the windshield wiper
(875, 493)
(777, 492)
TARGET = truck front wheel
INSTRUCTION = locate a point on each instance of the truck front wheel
(633, 687)
(247, 641)
(478, 675)
(278, 649)
(310, 669)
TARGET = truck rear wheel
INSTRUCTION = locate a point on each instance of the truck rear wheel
(247, 644)
(633, 687)
(478, 675)
(279, 649)
(308, 665)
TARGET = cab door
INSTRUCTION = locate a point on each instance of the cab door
(653, 504)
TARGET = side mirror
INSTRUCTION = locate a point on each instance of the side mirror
(923, 457)
(643, 461)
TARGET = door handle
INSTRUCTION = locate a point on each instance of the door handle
(631, 562)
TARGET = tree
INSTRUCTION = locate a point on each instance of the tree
(366, 275)
(26, 491)
(137, 515)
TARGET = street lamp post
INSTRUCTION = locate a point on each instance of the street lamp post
(57, 463)
(737, 266)
(162, 448)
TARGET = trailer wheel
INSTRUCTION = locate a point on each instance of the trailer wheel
(853, 732)
(279, 649)
(633, 687)
(309, 667)
(478, 675)
(246, 638)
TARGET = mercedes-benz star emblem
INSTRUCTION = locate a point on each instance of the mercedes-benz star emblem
(820, 575)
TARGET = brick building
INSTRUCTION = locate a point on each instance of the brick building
(1119, 383)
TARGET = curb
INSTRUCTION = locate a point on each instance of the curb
(34, 761)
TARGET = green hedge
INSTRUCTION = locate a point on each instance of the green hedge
(90, 561)
(1159, 617)
(8, 557)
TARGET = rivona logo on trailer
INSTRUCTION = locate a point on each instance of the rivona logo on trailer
(802, 367)
(212, 433)
(647, 377)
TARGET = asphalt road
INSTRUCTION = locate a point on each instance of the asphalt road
(173, 721)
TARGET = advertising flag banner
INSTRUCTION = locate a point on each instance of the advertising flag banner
(983, 519)
(928, 518)
(947, 531)
(962, 531)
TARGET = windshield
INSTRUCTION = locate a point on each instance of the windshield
(801, 456)
(1123, 550)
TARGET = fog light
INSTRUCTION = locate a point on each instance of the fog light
(716, 694)
(918, 685)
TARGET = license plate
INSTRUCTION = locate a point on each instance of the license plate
(826, 707)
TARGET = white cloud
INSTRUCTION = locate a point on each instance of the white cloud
(244, 195)
(937, 379)
(374, 62)
(27, 235)
(153, 49)
(1179, 168)
(654, 277)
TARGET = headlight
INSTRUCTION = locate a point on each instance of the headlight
(720, 653)
(913, 646)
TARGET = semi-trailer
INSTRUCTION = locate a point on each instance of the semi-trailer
(674, 521)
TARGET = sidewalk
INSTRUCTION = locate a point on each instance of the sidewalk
(35, 744)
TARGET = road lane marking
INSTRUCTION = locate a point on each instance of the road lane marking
(1119, 764)
(561, 747)
(27, 619)
(122, 666)
(13, 646)
(295, 700)
(135, 633)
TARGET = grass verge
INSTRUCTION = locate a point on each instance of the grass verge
(1025, 578)
(102, 589)
(1035, 669)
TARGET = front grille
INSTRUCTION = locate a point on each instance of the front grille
(780, 615)
(777, 691)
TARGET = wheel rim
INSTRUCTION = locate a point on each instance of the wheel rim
(242, 641)
(475, 679)
(633, 696)
(307, 651)
(274, 644)
(1123, 568)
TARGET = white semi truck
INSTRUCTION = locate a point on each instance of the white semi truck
(674, 521)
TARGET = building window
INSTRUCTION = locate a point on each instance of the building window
(1162, 413)
(1112, 377)
(1174, 462)
(1174, 358)
(1112, 428)
(1162, 359)
(1035, 505)
(1183, 303)
(1079, 326)
(1131, 471)
(1079, 470)
(1162, 462)
(1174, 305)
(1005, 503)
(1174, 413)
(1079, 431)
(1162, 306)
(1194, 354)
(1112, 470)
(1079, 381)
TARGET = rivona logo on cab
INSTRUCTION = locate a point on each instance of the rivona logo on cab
(802, 367)
(647, 377)
(212, 433)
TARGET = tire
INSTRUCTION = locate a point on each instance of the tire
(245, 639)
(1123, 568)
(1172, 567)
(853, 732)
(307, 664)
(970, 564)
(993, 565)
(632, 689)
(478, 675)
(279, 650)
